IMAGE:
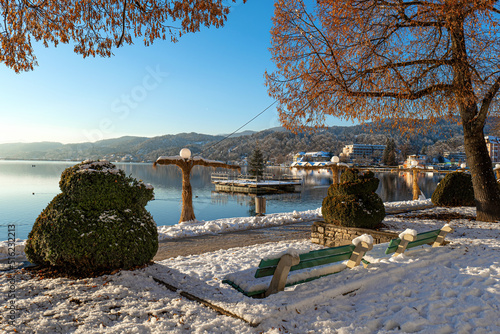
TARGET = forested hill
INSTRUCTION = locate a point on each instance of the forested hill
(275, 143)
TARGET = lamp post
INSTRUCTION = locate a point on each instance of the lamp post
(185, 153)
(186, 163)
(334, 166)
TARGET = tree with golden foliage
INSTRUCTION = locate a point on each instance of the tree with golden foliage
(409, 61)
(96, 26)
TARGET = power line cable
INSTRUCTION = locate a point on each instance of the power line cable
(241, 127)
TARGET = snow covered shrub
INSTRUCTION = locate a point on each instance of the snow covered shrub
(454, 190)
(353, 202)
(98, 222)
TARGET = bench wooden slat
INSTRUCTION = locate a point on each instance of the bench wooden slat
(393, 245)
(422, 242)
(308, 260)
(428, 234)
(327, 252)
(422, 239)
(322, 260)
(310, 255)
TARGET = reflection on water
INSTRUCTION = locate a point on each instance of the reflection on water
(26, 187)
(399, 186)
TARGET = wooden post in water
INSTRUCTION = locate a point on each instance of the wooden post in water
(260, 206)
(186, 163)
(414, 168)
(416, 189)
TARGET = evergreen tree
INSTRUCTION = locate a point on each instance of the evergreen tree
(389, 155)
(256, 163)
(391, 161)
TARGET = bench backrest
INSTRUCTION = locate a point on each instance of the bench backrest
(308, 260)
(422, 239)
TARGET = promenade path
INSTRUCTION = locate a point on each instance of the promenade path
(210, 243)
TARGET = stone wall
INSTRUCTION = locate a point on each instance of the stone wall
(332, 235)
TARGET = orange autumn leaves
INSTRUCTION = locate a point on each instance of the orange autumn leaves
(374, 60)
(95, 27)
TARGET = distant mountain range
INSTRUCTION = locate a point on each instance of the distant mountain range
(275, 143)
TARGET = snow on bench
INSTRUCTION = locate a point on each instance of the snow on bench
(409, 239)
(273, 275)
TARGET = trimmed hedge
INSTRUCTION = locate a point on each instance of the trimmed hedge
(99, 186)
(455, 189)
(98, 222)
(353, 202)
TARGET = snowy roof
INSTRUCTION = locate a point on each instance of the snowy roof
(300, 163)
(315, 154)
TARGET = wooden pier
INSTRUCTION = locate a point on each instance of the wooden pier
(267, 184)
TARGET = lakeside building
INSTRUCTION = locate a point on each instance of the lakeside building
(493, 146)
(455, 156)
(415, 160)
(320, 156)
(359, 151)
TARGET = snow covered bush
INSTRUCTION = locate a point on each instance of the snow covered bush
(98, 222)
(454, 190)
(353, 202)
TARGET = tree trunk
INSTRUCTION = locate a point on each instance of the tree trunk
(187, 213)
(486, 191)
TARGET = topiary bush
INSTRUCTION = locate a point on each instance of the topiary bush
(99, 222)
(353, 202)
(455, 189)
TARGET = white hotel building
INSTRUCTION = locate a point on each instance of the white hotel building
(355, 151)
(493, 146)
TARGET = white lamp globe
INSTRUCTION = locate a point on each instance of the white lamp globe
(414, 163)
(185, 153)
(497, 166)
(335, 159)
(463, 166)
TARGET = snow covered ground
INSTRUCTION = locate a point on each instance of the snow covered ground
(451, 289)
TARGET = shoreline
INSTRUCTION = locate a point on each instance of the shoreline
(245, 230)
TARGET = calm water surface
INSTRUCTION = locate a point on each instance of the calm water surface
(26, 187)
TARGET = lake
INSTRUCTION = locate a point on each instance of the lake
(26, 187)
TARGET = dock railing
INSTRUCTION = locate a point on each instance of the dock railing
(219, 177)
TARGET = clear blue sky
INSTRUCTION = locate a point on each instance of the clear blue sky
(209, 82)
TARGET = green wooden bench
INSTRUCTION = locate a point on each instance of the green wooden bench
(280, 267)
(434, 238)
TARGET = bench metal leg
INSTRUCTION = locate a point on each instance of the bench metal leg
(281, 273)
(440, 238)
(358, 253)
(407, 238)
